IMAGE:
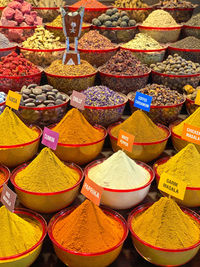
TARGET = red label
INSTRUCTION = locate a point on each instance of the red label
(71, 58)
(50, 138)
(78, 100)
(191, 134)
(125, 140)
(92, 191)
(8, 198)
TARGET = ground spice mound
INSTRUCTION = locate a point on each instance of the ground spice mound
(89, 4)
(142, 127)
(75, 129)
(159, 18)
(13, 131)
(88, 230)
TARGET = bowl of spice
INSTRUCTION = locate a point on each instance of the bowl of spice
(145, 48)
(95, 48)
(115, 25)
(166, 104)
(20, 145)
(42, 105)
(161, 26)
(6, 47)
(124, 73)
(4, 176)
(192, 26)
(175, 72)
(90, 236)
(16, 71)
(79, 142)
(47, 13)
(47, 184)
(150, 139)
(21, 237)
(67, 78)
(18, 21)
(183, 166)
(93, 9)
(190, 94)
(177, 130)
(125, 182)
(103, 106)
(171, 238)
(56, 28)
(42, 48)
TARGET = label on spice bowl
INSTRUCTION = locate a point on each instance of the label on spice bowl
(78, 100)
(71, 58)
(143, 101)
(50, 138)
(197, 99)
(92, 191)
(8, 198)
(191, 134)
(13, 100)
(125, 140)
(172, 186)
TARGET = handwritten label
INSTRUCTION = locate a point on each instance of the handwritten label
(197, 99)
(92, 191)
(172, 186)
(8, 198)
(143, 101)
(125, 141)
(191, 134)
(50, 138)
(78, 100)
(13, 100)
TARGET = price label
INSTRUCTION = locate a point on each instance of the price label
(191, 134)
(142, 101)
(50, 138)
(125, 140)
(78, 100)
(197, 99)
(92, 191)
(13, 100)
(71, 58)
(172, 186)
(8, 198)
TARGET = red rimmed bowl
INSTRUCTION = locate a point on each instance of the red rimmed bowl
(47, 13)
(192, 194)
(42, 57)
(191, 106)
(138, 14)
(67, 84)
(26, 258)
(12, 156)
(175, 82)
(161, 34)
(122, 83)
(47, 202)
(161, 256)
(17, 34)
(105, 115)
(6, 176)
(144, 152)
(81, 153)
(179, 14)
(6, 51)
(148, 56)
(191, 31)
(42, 116)
(117, 34)
(15, 83)
(123, 198)
(78, 259)
(188, 54)
(160, 114)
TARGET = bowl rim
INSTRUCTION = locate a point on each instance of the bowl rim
(166, 129)
(43, 224)
(22, 77)
(96, 126)
(183, 49)
(156, 107)
(46, 8)
(42, 50)
(7, 173)
(144, 51)
(114, 28)
(191, 27)
(89, 8)
(134, 8)
(177, 8)
(35, 128)
(175, 76)
(190, 100)
(70, 77)
(172, 125)
(19, 28)
(144, 207)
(24, 165)
(124, 76)
(161, 162)
(179, 27)
(8, 48)
(115, 215)
(145, 166)
(61, 28)
(96, 50)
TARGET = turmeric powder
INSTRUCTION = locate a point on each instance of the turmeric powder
(165, 225)
(75, 129)
(142, 127)
(88, 230)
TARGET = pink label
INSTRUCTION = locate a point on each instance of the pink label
(50, 138)
(78, 100)
(8, 198)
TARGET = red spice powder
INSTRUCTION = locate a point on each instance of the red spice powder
(89, 4)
